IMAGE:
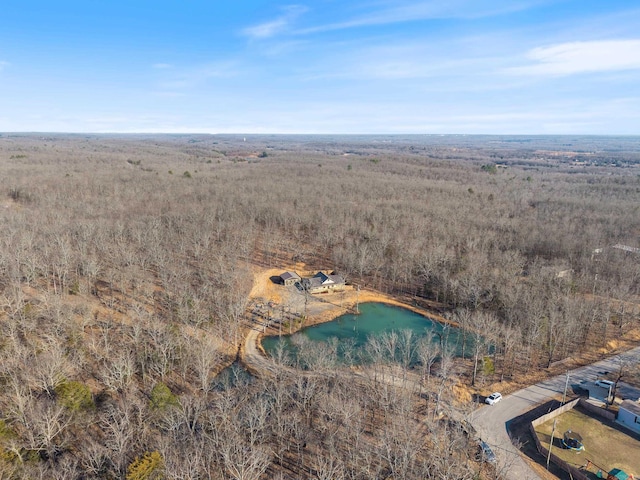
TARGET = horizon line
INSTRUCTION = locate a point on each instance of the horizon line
(395, 134)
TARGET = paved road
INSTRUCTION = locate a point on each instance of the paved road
(491, 421)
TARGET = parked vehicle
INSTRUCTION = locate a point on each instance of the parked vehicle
(493, 398)
(486, 454)
(605, 384)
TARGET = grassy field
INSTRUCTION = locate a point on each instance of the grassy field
(605, 446)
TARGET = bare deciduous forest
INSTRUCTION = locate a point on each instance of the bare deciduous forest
(126, 264)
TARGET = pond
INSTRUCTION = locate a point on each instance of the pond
(349, 337)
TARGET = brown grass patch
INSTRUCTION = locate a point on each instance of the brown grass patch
(605, 446)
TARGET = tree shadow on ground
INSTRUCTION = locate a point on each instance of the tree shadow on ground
(477, 398)
(518, 429)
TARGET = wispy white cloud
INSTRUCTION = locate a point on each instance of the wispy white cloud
(391, 12)
(387, 61)
(581, 57)
(266, 30)
(3, 65)
(280, 48)
(276, 26)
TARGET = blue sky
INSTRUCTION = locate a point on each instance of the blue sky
(321, 66)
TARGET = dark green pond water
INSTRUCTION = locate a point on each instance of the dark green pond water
(348, 334)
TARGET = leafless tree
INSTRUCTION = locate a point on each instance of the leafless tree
(244, 462)
(122, 274)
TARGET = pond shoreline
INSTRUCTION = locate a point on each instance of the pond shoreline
(365, 296)
(349, 328)
(321, 309)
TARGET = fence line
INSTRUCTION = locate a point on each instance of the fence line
(595, 410)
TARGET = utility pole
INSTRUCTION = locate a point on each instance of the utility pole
(306, 299)
(553, 431)
(282, 319)
(566, 384)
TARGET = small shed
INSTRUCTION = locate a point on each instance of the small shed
(629, 415)
(617, 474)
(289, 278)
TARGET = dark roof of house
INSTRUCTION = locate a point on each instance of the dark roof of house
(289, 275)
(321, 279)
(329, 279)
(313, 282)
(631, 406)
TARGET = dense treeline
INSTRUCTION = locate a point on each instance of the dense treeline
(125, 265)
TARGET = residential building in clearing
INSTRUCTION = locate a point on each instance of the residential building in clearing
(323, 283)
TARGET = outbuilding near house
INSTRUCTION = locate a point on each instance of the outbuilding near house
(629, 415)
(617, 474)
(289, 278)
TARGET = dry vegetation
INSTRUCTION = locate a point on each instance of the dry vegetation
(126, 263)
